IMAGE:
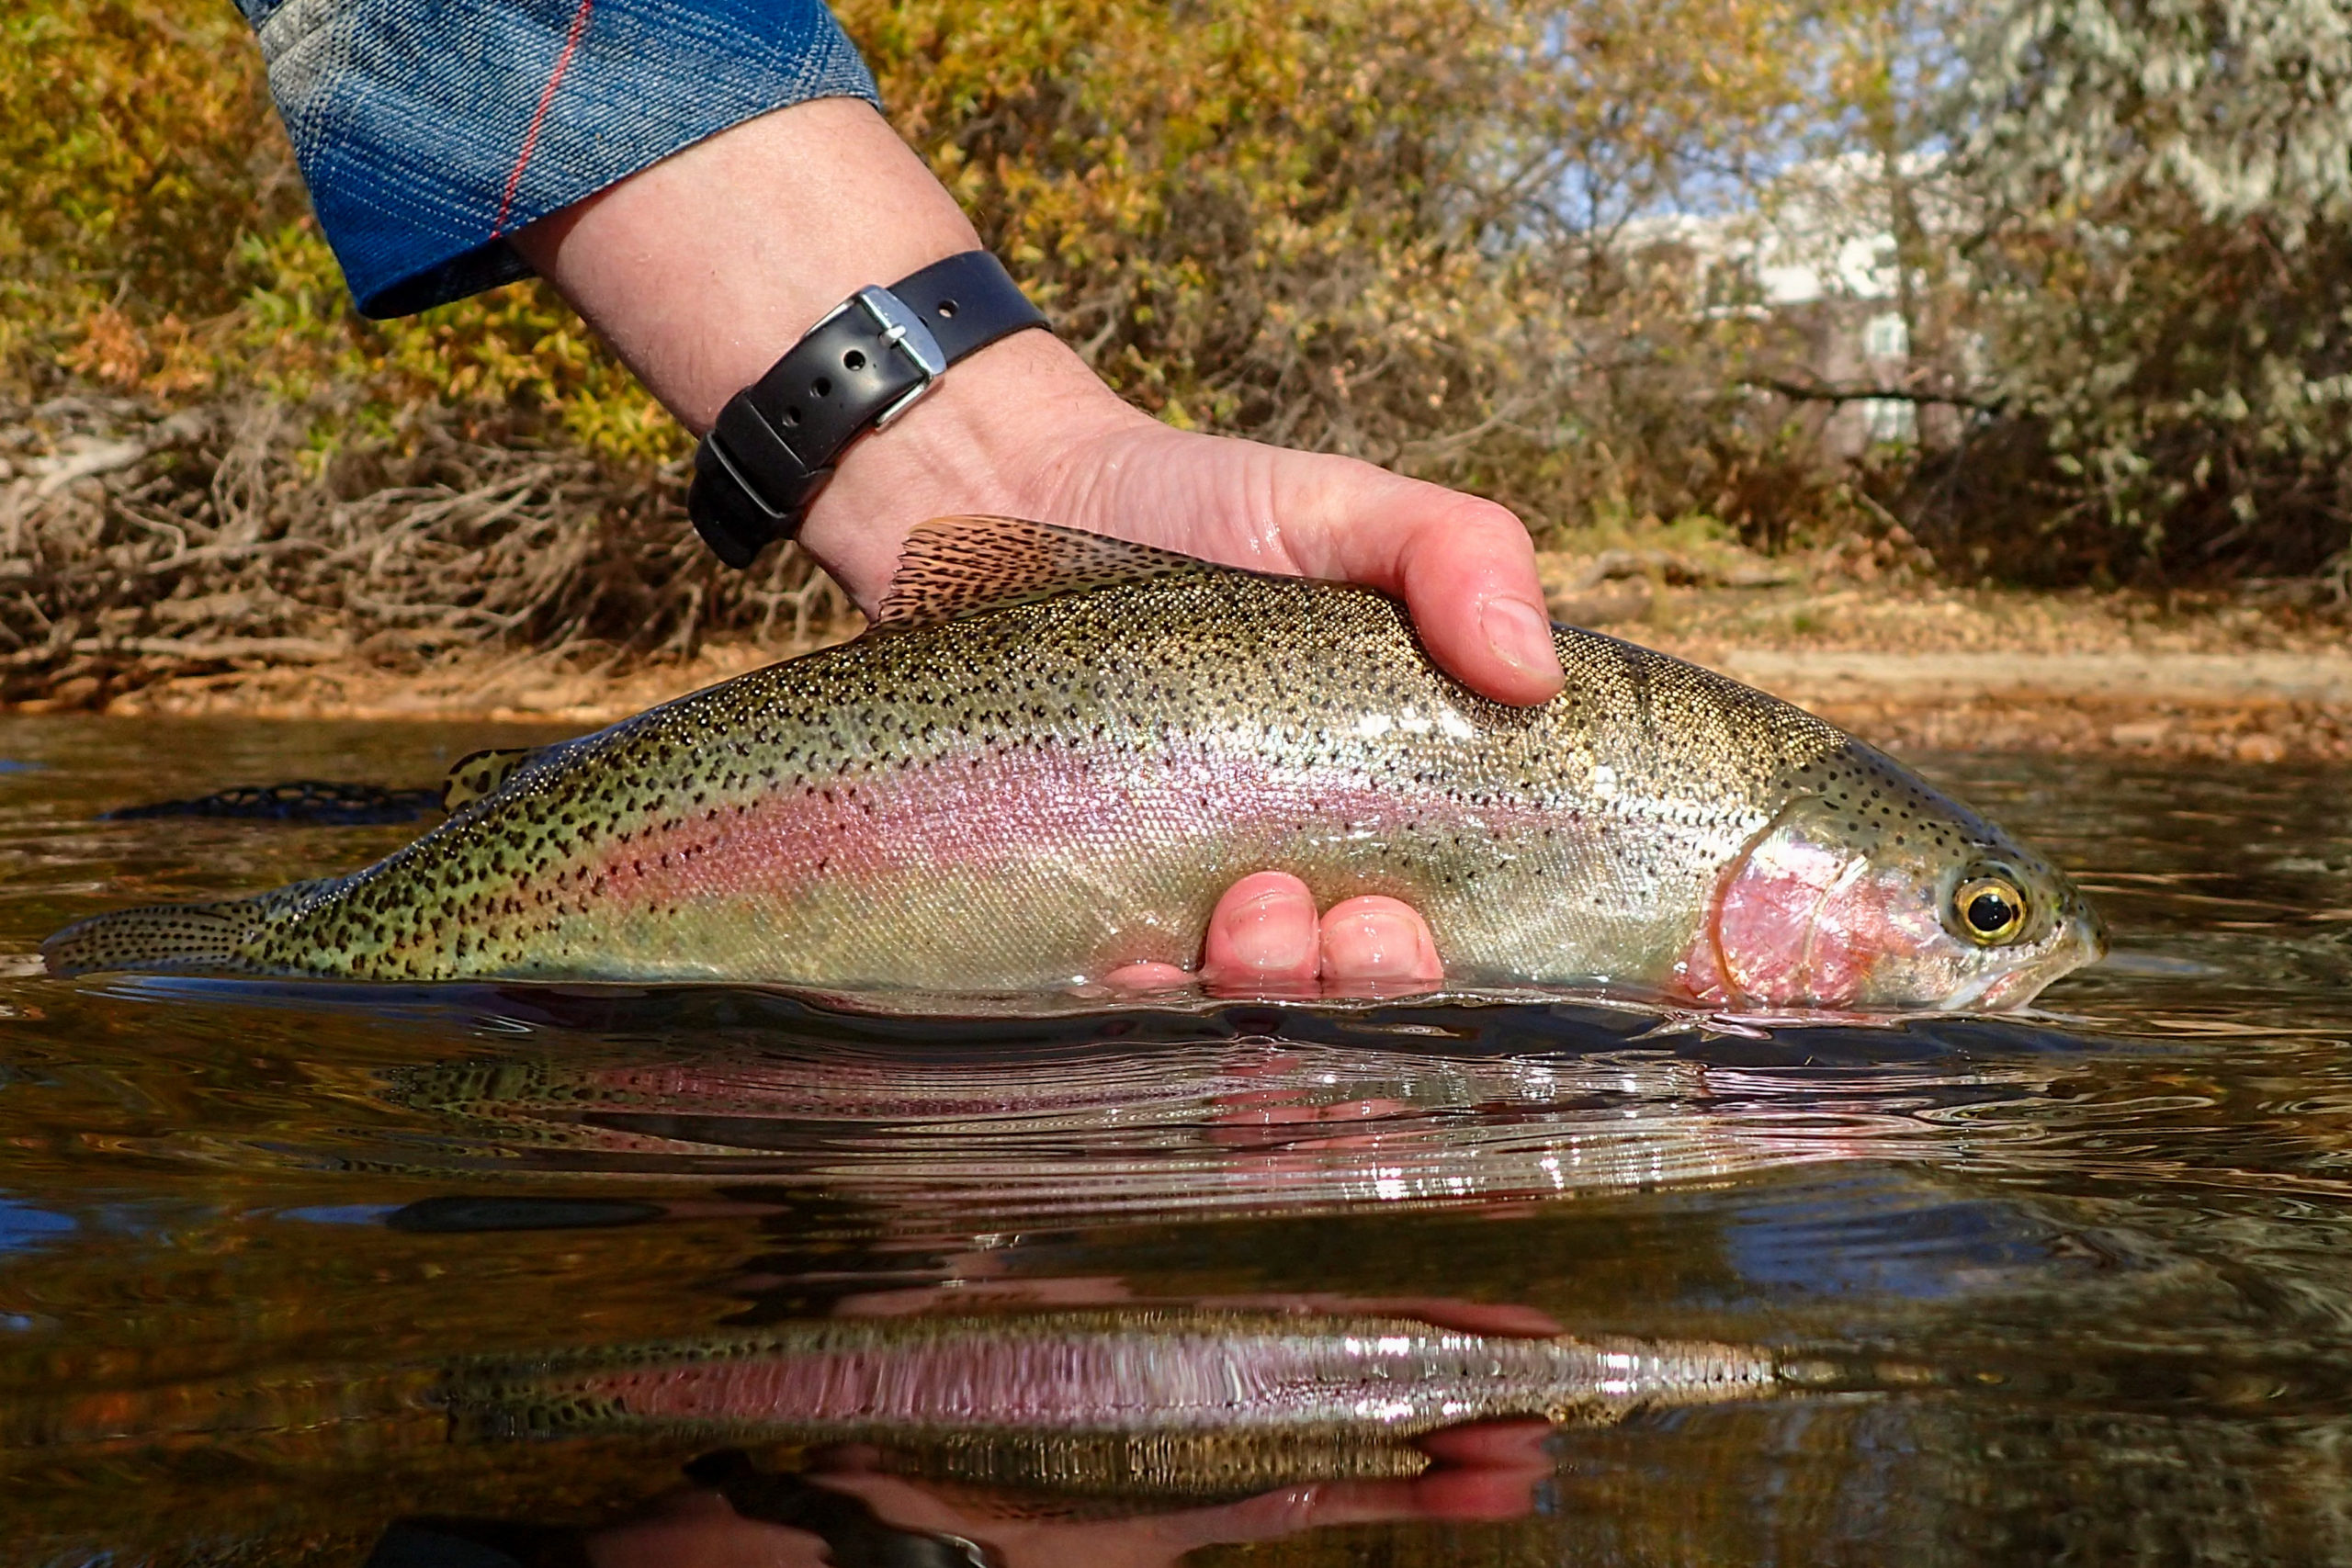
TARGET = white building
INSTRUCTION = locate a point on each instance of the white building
(1819, 253)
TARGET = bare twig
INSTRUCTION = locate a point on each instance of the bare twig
(459, 543)
(1813, 392)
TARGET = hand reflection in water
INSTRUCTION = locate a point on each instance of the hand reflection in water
(1489, 1470)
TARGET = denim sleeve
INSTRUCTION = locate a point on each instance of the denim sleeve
(430, 129)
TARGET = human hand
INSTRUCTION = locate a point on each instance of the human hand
(702, 269)
(1479, 1472)
(1265, 938)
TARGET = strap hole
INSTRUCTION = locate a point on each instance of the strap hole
(853, 360)
(824, 387)
(947, 310)
(792, 416)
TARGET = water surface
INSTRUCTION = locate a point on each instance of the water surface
(297, 1273)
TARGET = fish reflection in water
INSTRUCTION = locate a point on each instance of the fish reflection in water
(1164, 1400)
(1425, 1410)
(911, 1237)
(1213, 1420)
(851, 1511)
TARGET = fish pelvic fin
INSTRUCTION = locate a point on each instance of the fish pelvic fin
(954, 566)
(479, 773)
(176, 938)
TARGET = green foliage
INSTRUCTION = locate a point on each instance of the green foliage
(97, 179)
(1387, 228)
(515, 362)
(131, 171)
(153, 238)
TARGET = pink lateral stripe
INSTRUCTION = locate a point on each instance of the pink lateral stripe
(539, 118)
(858, 833)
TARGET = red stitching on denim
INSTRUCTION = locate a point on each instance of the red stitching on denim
(531, 137)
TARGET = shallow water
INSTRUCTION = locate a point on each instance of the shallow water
(294, 1273)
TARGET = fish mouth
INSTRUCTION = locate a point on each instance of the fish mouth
(2006, 990)
(1996, 992)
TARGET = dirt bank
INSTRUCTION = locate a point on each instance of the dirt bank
(2264, 674)
(2260, 675)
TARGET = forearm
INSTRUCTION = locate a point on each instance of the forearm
(705, 267)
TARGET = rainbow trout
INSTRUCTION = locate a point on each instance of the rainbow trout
(1053, 750)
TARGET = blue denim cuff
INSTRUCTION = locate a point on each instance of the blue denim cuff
(430, 129)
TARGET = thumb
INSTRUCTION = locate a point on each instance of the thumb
(1464, 568)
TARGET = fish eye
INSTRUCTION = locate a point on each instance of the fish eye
(1991, 908)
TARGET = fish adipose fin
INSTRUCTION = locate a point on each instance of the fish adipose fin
(481, 773)
(162, 938)
(958, 566)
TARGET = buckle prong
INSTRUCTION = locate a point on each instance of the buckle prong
(902, 329)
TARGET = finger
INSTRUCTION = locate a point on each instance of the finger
(1500, 1318)
(1486, 1470)
(1508, 1442)
(1261, 933)
(1507, 1319)
(1376, 940)
(1275, 1108)
(1464, 567)
(1147, 977)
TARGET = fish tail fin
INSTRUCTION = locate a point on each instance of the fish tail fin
(161, 936)
(174, 937)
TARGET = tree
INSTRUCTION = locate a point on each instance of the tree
(2167, 255)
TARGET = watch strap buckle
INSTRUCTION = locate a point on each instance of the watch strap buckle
(775, 443)
(902, 329)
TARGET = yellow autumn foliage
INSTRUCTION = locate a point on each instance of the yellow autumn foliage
(1382, 227)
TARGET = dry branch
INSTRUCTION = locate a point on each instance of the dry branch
(135, 546)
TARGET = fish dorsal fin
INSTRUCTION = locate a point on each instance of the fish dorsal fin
(958, 566)
(478, 773)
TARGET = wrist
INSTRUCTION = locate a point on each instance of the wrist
(704, 268)
(1001, 433)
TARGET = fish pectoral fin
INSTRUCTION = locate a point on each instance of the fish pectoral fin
(480, 772)
(954, 566)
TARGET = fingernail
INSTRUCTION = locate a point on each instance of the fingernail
(1520, 635)
(1386, 942)
(1275, 932)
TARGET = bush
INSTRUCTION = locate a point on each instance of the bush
(2167, 257)
(1385, 228)
(1381, 227)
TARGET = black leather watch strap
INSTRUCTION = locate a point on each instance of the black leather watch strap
(776, 441)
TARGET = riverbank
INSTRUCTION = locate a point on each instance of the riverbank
(1870, 641)
(2262, 673)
